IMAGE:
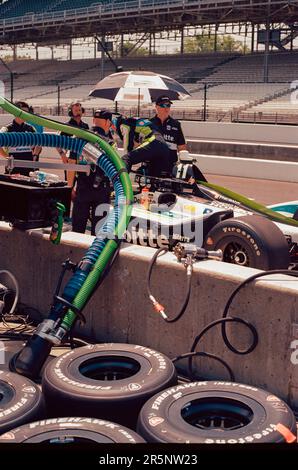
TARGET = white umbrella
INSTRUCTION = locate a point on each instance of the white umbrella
(140, 86)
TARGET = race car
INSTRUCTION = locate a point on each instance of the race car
(168, 211)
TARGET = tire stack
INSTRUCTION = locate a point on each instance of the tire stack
(21, 401)
(71, 430)
(108, 381)
(103, 393)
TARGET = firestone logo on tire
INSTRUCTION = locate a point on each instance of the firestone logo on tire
(155, 421)
(272, 398)
(133, 387)
(8, 436)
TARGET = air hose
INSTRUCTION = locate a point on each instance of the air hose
(223, 322)
(30, 139)
(247, 203)
(189, 254)
(157, 306)
(86, 277)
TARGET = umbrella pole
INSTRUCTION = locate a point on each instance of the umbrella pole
(139, 98)
(116, 106)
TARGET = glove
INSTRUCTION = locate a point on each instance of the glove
(184, 156)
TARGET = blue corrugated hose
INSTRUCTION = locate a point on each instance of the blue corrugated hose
(21, 139)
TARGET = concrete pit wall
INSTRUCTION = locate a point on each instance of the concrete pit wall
(253, 141)
(264, 141)
(253, 133)
(121, 312)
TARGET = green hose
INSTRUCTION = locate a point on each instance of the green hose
(255, 206)
(87, 288)
(78, 132)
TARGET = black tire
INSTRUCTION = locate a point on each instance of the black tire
(216, 413)
(71, 430)
(295, 216)
(108, 381)
(8, 348)
(252, 241)
(20, 401)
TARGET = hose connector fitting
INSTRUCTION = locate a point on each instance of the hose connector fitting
(158, 307)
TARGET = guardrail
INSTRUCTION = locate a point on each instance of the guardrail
(135, 5)
(100, 9)
(248, 168)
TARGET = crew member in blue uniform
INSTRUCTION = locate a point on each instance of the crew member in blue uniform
(93, 191)
(20, 153)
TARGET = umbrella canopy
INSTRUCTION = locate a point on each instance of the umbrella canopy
(142, 86)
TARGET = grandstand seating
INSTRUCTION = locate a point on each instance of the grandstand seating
(36, 81)
(15, 8)
(282, 104)
(283, 67)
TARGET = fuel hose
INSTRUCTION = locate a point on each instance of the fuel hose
(78, 290)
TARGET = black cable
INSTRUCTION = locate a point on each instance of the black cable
(152, 298)
(72, 343)
(209, 327)
(223, 322)
(79, 342)
(229, 319)
(228, 304)
(15, 336)
(190, 355)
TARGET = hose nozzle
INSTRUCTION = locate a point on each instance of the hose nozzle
(183, 250)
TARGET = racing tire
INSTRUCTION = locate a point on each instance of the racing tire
(20, 401)
(71, 430)
(109, 381)
(216, 413)
(252, 241)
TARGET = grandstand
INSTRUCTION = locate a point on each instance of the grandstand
(19, 8)
(223, 85)
(233, 81)
(27, 20)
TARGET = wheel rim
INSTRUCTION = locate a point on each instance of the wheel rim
(109, 368)
(236, 253)
(217, 414)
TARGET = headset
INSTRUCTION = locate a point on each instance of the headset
(70, 113)
(23, 104)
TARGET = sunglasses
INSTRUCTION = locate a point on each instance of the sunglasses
(164, 105)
